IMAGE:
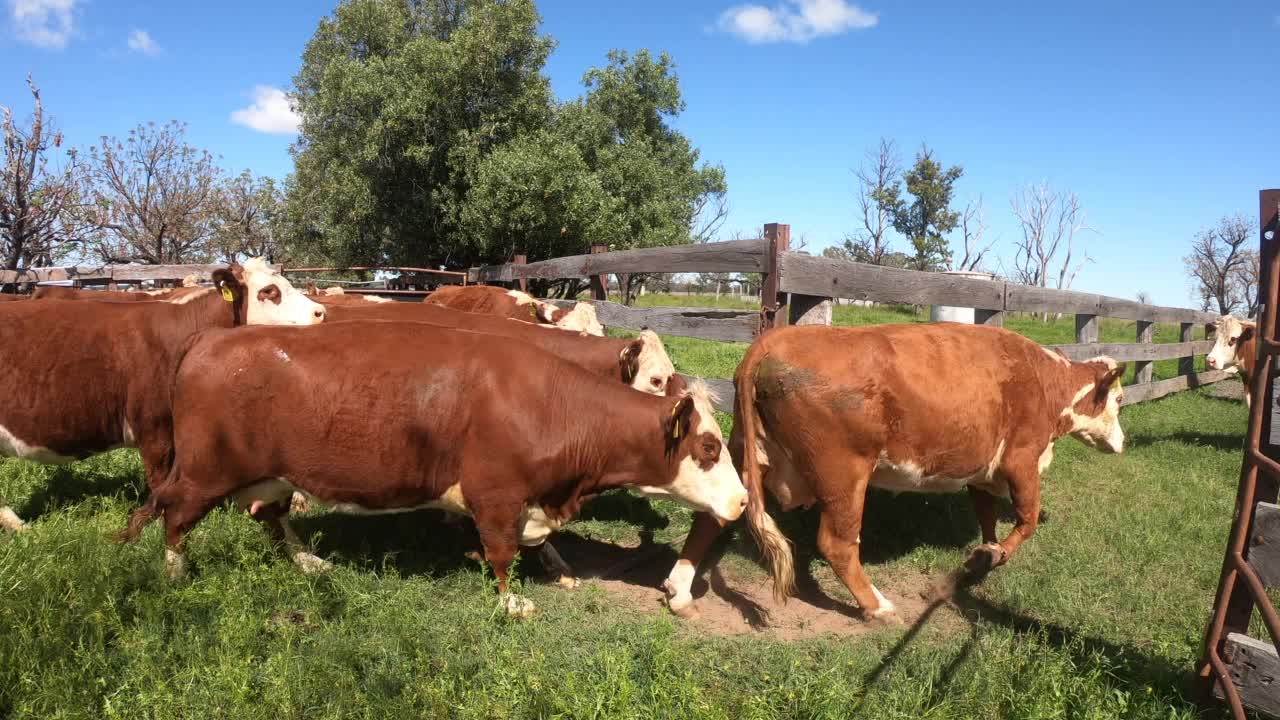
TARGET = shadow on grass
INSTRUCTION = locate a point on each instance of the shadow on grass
(1130, 668)
(1231, 442)
(68, 485)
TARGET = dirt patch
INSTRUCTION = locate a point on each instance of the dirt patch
(1231, 389)
(731, 600)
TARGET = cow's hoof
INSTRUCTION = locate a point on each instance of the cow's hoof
(680, 604)
(984, 559)
(886, 614)
(518, 607)
(568, 582)
(299, 503)
(311, 564)
(473, 556)
(10, 521)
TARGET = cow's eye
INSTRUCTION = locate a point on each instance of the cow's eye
(1231, 341)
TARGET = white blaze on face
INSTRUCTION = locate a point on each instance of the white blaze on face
(653, 368)
(1227, 340)
(1101, 431)
(285, 305)
(718, 490)
(582, 318)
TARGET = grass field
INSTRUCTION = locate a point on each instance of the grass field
(1099, 615)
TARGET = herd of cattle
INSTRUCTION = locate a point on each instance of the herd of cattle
(491, 404)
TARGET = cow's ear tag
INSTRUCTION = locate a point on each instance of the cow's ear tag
(226, 294)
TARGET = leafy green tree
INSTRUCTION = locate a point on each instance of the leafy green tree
(609, 171)
(401, 102)
(927, 217)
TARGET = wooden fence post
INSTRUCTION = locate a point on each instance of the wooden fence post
(777, 238)
(988, 317)
(1186, 365)
(599, 283)
(522, 283)
(1143, 369)
(1086, 328)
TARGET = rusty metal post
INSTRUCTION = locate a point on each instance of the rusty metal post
(1239, 588)
(522, 282)
(599, 283)
(777, 237)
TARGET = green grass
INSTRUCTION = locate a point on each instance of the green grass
(1098, 616)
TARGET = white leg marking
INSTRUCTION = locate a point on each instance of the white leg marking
(886, 607)
(10, 521)
(679, 586)
(516, 606)
(175, 565)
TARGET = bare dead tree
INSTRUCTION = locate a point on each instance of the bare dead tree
(156, 195)
(973, 226)
(1215, 264)
(246, 218)
(38, 219)
(877, 195)
(1050, 222)
(1143, 297)
(709, 213)
(1246, 281)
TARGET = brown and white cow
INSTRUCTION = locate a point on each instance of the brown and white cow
(1235, 347)
(516, 305)
(107, 384)
(387, 417)
(642, 362)
(822, 413)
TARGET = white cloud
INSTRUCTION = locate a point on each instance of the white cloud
(269, 113)
(795, 21)
(140, 41)
(43, 23)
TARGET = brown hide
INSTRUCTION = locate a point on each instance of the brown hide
(1247, 356)
(822, 413)
(7, 297)
(489, 300)
(107, 382)
(602, 356)
(385, 415)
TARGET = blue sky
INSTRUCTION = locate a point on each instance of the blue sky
(1160, 116)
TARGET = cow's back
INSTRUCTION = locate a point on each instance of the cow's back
(66, 369)
(360, 400)
(487, 300)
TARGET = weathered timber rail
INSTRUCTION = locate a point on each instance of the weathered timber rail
(798, 288)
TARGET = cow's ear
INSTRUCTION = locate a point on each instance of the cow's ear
(629, 360)
(229, 284)
(1110, 378)
(676, 385)
(679, 420)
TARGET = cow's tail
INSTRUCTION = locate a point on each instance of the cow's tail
(150, 510)
(773, 544)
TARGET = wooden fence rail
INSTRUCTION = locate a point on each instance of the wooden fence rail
(797, 288)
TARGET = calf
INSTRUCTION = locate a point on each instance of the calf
(517, 306)
(426, 417)
(107, 384)
(642, 362)
(1235, 347)
(822, 413)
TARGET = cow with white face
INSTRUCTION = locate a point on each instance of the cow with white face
(110, 386)
(1235, 348)
(443, 421)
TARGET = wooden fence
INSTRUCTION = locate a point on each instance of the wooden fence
(798, 288)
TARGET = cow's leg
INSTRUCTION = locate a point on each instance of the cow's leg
(679, 583)
(840, 533)
(556, 567)
(275, 517)
(499, 533)
(183, 504)
(10, 521)
(1024, 488)
(990, 553)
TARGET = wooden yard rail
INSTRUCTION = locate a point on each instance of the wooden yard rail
(798, 288)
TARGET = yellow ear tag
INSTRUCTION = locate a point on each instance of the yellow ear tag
(226, 294)
(675, 432)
